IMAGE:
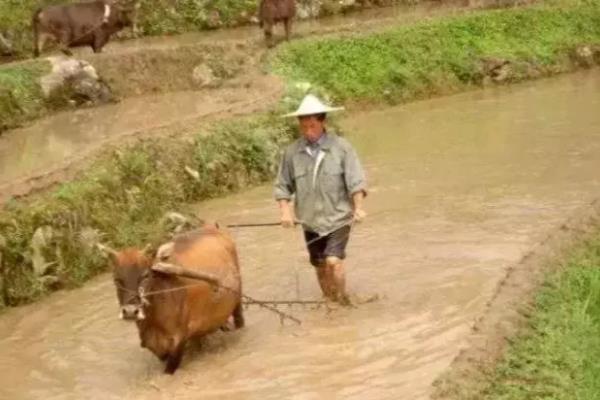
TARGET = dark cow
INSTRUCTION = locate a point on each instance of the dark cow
(88, 23)
(168, 309)
(270, 12)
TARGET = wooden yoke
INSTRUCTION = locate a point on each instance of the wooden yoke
(171, 269)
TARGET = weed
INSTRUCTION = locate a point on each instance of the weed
(406, 63)
(557, 357)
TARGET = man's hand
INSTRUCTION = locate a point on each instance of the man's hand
(359, 215)
(357, 202)
(287, 217)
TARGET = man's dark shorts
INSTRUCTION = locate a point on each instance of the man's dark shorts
(332, 245)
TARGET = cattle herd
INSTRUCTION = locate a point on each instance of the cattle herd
(91, 23)
(168, 308)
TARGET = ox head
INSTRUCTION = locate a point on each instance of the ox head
(124, 12)
(131, 269)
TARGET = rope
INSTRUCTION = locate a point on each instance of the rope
(268, 305)
(91, 30)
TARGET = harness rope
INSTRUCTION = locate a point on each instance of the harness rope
(270, 305)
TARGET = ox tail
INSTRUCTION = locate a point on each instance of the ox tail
(35, 25)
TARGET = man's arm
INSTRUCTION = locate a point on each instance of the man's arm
(284, 190)
(287, 216)
(356, 183)
(357, 204)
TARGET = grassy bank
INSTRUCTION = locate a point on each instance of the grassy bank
(20, 93)
(48, 242)
(446, 55)
(557, 356)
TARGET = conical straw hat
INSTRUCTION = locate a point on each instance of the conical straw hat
(311, 105)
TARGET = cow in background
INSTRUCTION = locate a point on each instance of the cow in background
(271, 12)
(88, 23)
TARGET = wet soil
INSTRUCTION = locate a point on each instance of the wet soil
(463, 189)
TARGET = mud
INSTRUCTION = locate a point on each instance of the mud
(462, 190)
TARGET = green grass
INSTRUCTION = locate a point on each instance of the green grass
(557, 357)
(124, 196)
(20, 93)
(434, 57)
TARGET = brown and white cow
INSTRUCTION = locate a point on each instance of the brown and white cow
(270, 12)
(89, 23)
(170, 310)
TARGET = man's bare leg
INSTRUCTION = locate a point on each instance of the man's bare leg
(323, 276)
(337, 277)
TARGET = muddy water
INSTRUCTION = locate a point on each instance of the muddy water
(462, 188)
(69, 136)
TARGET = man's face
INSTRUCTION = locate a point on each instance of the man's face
(311, 127)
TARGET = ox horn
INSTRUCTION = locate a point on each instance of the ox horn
(147, 249)
(107, 251)
(164, 252)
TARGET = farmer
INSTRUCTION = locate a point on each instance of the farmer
(322, 171)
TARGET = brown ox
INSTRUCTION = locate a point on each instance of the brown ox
(271, 12)
(178, 309)
(88, 23)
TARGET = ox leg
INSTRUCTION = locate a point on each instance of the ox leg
(100, 39)
(269, 33)
(174, 359)
(40, 43)
(238, 316)
(64, 39)
(288, 28)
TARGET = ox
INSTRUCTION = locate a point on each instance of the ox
(169, 310)
(271, 12)
(88, 23)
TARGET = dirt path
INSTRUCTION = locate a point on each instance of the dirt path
(463, 190)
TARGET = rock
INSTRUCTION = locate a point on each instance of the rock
(204, 77)
(214, 20)
(51, 282)
(498, 69)
(76, 80)
(6, 46)
(583, 56)
(308, 8)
